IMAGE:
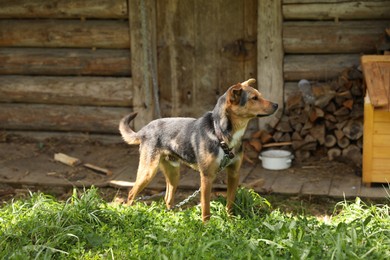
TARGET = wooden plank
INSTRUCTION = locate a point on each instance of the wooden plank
(142, 20)
(95, 91)
(36, 61)
(382, 128)
(207, 55)
(176, 61)
(381, 152)
(374, 77)
(317, 67)
(97, 9)
(368, 142)
(64, 33)
(342, 10)
(270, 52)
(381, 164)
(61, 118)
(381, 116)
(380, 140)
(331, 37)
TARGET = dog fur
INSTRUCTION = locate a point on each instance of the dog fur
(165, 143)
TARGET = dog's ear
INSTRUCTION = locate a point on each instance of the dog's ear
(249, 82)
(236, 95)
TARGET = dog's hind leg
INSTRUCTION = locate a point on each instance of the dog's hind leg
(147, 169)
(171, 172)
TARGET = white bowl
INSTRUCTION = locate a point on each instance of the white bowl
(276, 159)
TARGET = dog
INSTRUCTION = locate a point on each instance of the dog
(207, 144)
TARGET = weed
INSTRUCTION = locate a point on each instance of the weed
(86, 227)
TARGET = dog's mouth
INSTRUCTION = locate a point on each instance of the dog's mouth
(264, 115)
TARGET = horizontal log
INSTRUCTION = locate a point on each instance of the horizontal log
(331, 37)
(61, 118)
(94, 91)
(36, 61)
(64, 33)
(317, 67)
(68, 137)
(341, 10)
(97, 9)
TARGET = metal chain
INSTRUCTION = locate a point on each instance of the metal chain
(224, 163)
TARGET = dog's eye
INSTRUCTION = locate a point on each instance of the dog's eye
(255, 98)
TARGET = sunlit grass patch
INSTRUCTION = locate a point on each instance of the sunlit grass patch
(87, 227)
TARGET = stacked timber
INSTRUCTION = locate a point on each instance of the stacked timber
(321, 119)
(64, 65)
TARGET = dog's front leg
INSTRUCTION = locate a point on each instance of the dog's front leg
(233, 172)
(206, 183)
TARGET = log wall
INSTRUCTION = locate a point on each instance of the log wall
(64, 65)
(87, 54)
(321, 38)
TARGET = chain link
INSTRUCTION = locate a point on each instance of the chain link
(224, 163)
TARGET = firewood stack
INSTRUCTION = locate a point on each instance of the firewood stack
(321, 119)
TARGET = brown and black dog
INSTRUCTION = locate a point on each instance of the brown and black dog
(203, 144)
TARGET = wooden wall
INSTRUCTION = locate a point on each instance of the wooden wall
(321, 38)
(64, 65)
(79, 66)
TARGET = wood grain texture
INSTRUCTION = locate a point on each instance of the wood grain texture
(270, 52)
(98, 9)
(39, 61)
(336, 10)
(95, 91)
(61, 118)
(331, 37)
(65, 33)
(317, 67)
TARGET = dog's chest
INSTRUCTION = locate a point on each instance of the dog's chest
(236, 138)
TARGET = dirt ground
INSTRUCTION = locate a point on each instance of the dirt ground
(27, 165)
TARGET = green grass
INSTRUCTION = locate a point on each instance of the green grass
(87, 227)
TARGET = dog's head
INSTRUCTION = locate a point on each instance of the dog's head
(247, 102)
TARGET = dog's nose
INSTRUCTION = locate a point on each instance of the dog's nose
(275, 106)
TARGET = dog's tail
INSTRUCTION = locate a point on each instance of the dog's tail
(128, 135)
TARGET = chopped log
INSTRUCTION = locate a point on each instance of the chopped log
(99, 9)
(95, 91)
(296, 136)
(348, 104)
(108, 34)
(302, 155)
(353, 129)
(342, 111)
(330, 118)
(343, 142)
(284, 125)
(339, 134)
(334, 153)
(353, 153)
(330, 141)
(294, 102)
(331, 107)
(61, 118)
(33, 61)
(277, 135)
(66, 159)
(256, 144)
(316, 113)
(318, 132)
(265, 137)
(277, 144)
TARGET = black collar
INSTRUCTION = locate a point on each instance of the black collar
(228, 152)
(225, 147)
